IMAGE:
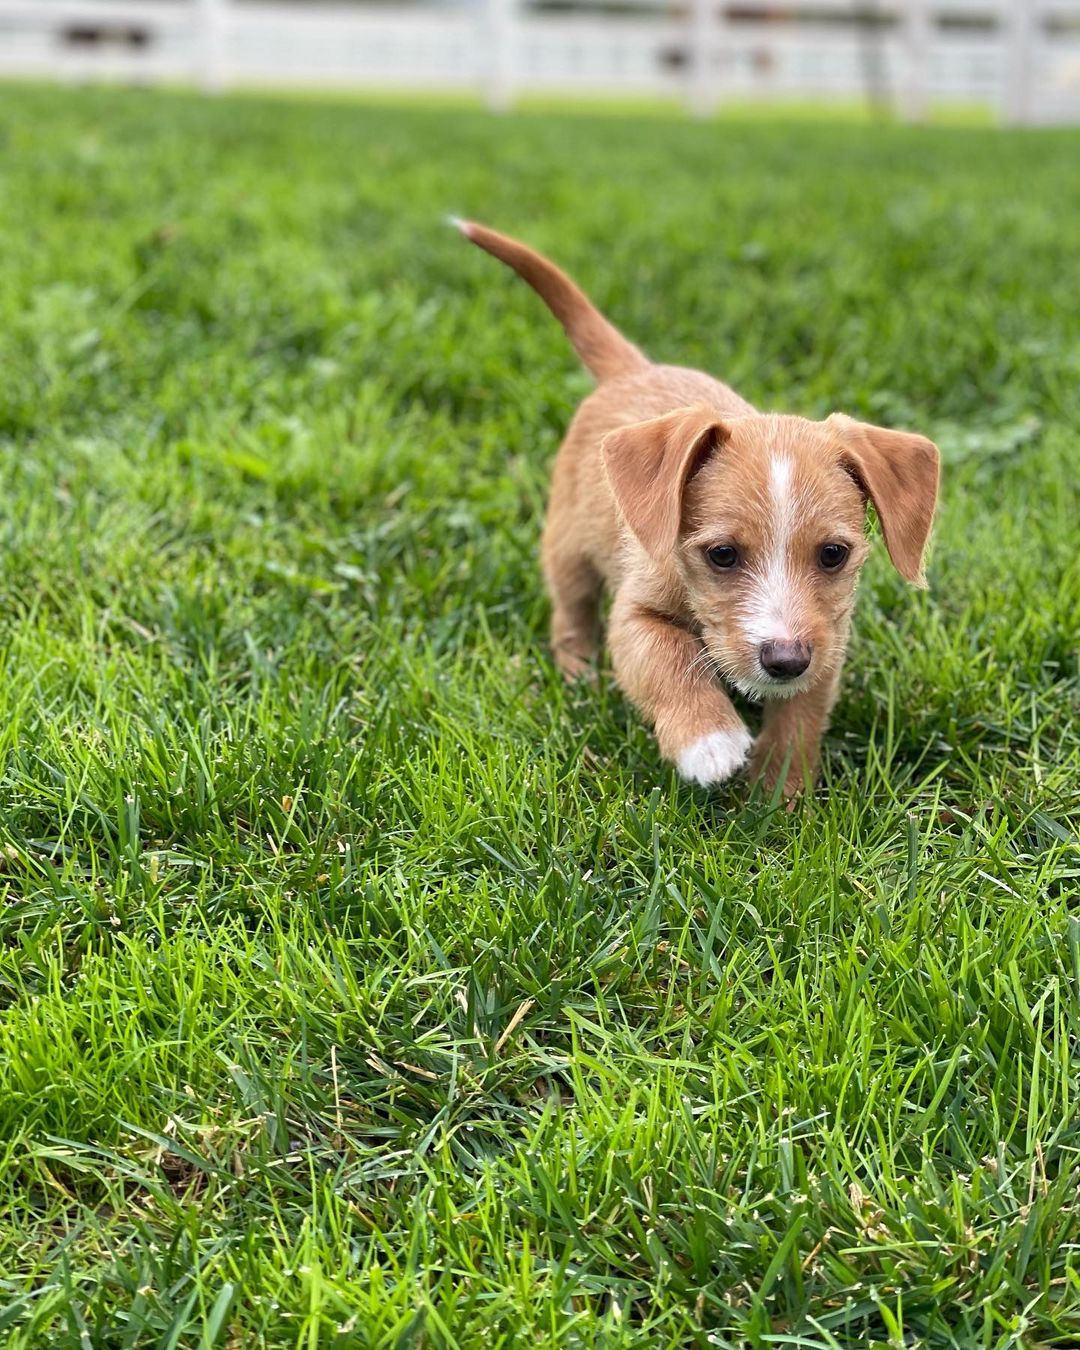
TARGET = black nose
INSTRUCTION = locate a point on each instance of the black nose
(785, 660)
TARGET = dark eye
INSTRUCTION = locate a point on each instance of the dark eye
(723, 556)
(833, 556)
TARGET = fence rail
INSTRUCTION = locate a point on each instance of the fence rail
(1021, 56)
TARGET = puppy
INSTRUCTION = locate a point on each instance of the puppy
(730, 540)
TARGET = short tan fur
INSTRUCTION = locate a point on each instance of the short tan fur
(730, 541)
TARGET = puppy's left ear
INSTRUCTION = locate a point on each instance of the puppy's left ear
(898, 471)
(648, 465)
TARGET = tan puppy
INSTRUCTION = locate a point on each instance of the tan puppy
(731, 542)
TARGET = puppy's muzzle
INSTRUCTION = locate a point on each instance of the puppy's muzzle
(784, 660)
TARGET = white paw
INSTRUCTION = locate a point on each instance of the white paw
(715, 757)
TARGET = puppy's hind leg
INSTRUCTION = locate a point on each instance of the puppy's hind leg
(574, 585)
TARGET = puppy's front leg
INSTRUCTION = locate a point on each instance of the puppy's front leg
(659, 667)
(789, 744)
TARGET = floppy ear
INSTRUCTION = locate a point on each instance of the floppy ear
(648, 466)
(898, 471)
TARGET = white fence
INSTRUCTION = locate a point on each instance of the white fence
(1020, 56)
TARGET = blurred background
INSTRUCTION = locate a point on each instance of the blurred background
(1018, 60)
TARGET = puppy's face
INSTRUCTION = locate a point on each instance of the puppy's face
(763, 517)
(771, 549)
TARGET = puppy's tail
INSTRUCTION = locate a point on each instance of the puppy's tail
(600, 345)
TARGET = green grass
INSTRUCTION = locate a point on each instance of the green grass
(360, 985)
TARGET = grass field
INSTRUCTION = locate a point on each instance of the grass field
(361, 986)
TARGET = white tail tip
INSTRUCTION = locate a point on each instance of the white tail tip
(459, 224)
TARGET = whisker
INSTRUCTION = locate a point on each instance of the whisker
(708, 662)
(702, 661)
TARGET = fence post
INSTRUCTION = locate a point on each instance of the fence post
(210, 44)
(918, 35)
(1020, 37)
(502, 43)
(701, 32)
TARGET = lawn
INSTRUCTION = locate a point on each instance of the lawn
(359, 984)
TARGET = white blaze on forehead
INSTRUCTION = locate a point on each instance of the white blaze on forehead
(781, 494)
(768, 614)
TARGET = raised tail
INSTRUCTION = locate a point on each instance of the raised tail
(600, 345)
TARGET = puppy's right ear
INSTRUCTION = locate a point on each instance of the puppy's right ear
(648, 466)
(899, 472)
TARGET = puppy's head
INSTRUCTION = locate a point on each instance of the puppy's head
(763, 518)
